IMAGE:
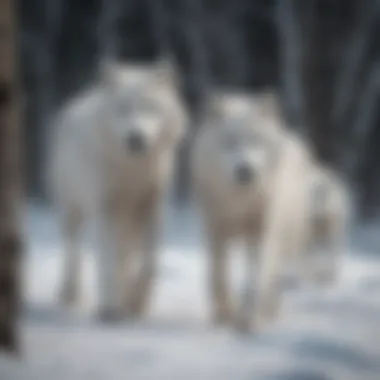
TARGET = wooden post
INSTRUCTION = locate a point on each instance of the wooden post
(10, 237)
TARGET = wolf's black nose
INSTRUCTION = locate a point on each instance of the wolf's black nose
(244, 174)
(135, 142)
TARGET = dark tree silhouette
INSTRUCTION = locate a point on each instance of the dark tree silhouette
(10, 240)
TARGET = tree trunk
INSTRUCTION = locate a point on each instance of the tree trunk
(290, 43)
(195, 72)
(318, 71)
(10, 237)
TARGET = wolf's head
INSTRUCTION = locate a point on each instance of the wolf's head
(142, 110)
(244, 140)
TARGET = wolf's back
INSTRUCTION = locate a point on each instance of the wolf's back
(72, 138)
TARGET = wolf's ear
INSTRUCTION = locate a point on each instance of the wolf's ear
(211, 109)
(166, 72)
(269, 104)
(109, 72)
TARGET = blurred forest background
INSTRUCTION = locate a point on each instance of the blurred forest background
(322, 55)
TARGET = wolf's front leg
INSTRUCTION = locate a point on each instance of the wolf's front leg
(109, 233)
(71, 228)
(142, 285)
(328, 273)
(222, 305)
(245, 315)
(268, 297)
(270, 266)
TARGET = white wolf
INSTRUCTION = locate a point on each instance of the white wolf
(252, 180)
(111, 160)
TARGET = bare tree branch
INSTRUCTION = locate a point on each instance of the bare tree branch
(364, 122)
(107, 39)
(158, 16)
(193, 23)
(290, 43)
(357, 47)
(227, 38)
(194, 35)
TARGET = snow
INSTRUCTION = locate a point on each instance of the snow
(320, 335)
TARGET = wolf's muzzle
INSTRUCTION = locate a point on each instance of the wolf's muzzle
(135, 142)
(244, 174)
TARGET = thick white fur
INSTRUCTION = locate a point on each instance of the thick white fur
(277, 205)
(91, 174)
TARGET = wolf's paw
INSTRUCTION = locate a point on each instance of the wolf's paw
(325, 278)
(109, 315)
(244, 324)
(134, 313)
(223, 317)
(68, 296)
(136, 308)
(268, 311)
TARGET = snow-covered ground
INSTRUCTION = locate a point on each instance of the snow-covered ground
(320, 335)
